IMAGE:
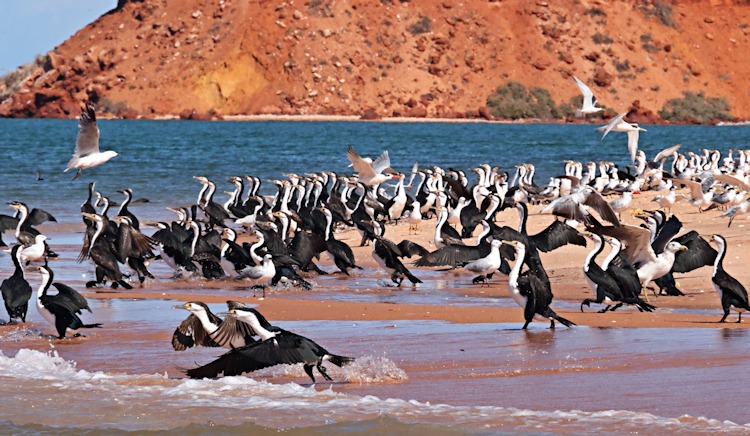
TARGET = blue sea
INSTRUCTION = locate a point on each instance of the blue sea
(158, 159)
(411, 376)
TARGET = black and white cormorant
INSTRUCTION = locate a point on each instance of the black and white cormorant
(102, 252)
(731, 292)
(276, 347)
(530, 292)
(201, 329)
(15, 289)
(606, 287)
(61, 310)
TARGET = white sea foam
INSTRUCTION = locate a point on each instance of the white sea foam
(154, 401)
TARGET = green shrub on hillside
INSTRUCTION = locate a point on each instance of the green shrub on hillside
(696, 108)
(514, 101)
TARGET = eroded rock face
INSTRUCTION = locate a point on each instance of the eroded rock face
(200, 60)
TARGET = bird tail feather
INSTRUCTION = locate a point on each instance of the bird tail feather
(340, 360)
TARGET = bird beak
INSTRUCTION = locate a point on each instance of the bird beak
(180, 306)
(683, 248)
(230, 313)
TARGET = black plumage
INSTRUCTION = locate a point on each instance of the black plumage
(15, 289)
(277, 346)
(62, 310)
(731, 292)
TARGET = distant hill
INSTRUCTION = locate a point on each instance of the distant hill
(425, 58)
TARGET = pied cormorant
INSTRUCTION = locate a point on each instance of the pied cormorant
(277, 346)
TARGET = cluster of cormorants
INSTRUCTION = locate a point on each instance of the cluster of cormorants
(294, 228)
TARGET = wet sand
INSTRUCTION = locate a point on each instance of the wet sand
(457, 343)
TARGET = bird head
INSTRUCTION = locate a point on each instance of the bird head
(192, 307)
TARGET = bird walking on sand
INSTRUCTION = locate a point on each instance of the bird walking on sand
(86, 154)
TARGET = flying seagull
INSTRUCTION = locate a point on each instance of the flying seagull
(86, 154)
(618, 124)
(589, 101)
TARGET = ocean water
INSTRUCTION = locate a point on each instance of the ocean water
(417, 377)
(159, 158)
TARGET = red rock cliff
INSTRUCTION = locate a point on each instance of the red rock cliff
(388, 57)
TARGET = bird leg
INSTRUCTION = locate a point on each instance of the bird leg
(726, 314)
(78, 173)
(479, 279)
(323, 371)
(552, 324)
(309, 371)
(739, 317)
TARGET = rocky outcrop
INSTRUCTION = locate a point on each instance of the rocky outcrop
(206, 59)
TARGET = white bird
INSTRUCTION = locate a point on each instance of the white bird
(86, 154)
(372, 173)
(486, 265)
(589, 101)
(618, 124)
(36, 251)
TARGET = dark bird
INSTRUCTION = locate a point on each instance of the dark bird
(731, 292)
(61, 310)
(610, 289)
(277, 346)
(15, 289)
(530, 292)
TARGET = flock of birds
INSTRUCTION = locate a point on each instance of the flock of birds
(290, 232)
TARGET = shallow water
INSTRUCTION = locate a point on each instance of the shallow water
(409, 375)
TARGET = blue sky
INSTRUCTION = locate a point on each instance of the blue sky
(32, 27)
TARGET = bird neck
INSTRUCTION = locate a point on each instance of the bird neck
(208, 326)
(613, 252)
(516, 270)
(593, 253)
(262, 332)
(719, 262)
(46, 282)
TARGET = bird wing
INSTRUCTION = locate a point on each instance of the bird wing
(190, 333)
(382, 163)
(633, 144)
(636, 241)
(38, 216)
(555, 236)
(588, 95)
(731, 180)
(730, 285)
(695, 188)
(454, 255)
(70, 298)
(699, 253)
(409, 249)
(612, 123)
(87, 141)
(285, 347)
(364, 169)
(599, 204)
(667, 232)
(7, 222)
(666, 153)
(231, 328)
